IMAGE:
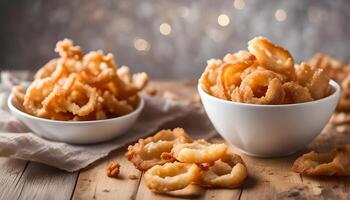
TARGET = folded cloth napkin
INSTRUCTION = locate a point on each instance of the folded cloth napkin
(17, 141)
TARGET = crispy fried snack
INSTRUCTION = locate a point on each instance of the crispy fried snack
(148, 152)
(314, 79)
(344, 100)
(272, 57)
(260, 87)
(296, 93)
(228, 172)
(81, 87)
(171, 176)
(199, 151)
(198, 162)
(113, 169)
(264, 75)
(335, 69)
(334, 163)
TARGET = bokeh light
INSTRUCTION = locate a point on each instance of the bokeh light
(223, 20)
(165, 29)
(239, 4)
(280, 15)
(141, 44)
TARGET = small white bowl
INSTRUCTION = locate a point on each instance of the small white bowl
(269, 130)
(77, 132)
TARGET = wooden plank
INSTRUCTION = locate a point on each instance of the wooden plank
(11, 171)
(44, 182)
(93, 182)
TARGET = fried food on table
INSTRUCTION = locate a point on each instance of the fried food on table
(265, 74)
(81, 87)
(333, 163)
(172, 161)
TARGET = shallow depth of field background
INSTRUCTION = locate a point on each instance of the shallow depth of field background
(167, 38)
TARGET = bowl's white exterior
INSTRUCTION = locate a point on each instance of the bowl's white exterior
(77, 132)
(269, 130)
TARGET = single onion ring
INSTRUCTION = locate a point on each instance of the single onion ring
(35, 94)
(240, 56)
(296, 93)
(115, 106)
(47, 69)
(230, 77)
(272, 56)
(148, 152)
(199, 151)
(210, 74)
(89, 107)
(171, 176)
(261, 87)
(334, 163)
(228, 172)
(314, 79)
(18, 94)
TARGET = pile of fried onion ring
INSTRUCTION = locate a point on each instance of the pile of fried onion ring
(172, 161)
(266, 74)
(80, 87)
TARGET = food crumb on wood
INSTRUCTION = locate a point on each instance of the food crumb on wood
(342, 129)
(151, 91)
(133, 177)
(170, 96)
(316, 191)
(113, 169)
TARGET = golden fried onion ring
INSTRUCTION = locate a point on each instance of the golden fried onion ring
(199, 151)
(228, 172)
(272, 56)
(210, 74)
(230, 77)
(314, 79)
(148, 152)
(296, 93)
(334, 163)
(260, 87)
(171, 176)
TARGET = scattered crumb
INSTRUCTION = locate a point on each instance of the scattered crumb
(342, 129)
(170, 95)
(113, 169)
(151, 91)
(105, 190)
(133, 177)
(195, 99)
(316, 191)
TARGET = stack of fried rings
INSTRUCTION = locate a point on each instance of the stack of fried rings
(264, 75)
(81, 87)
(173, 161)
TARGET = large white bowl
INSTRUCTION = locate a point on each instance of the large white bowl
(77, 132)
(269, 130)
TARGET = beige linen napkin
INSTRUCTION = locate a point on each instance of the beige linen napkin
(17, 141)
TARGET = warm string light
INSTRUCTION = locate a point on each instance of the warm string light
(165, 29)
(239, 4)
(280, 15)
(223, 20)
(141, 44)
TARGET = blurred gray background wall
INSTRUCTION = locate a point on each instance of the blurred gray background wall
(168, 38)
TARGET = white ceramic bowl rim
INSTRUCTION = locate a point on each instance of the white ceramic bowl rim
(332, 83)
(12, 107)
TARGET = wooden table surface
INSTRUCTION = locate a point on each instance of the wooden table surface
(268, 178)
